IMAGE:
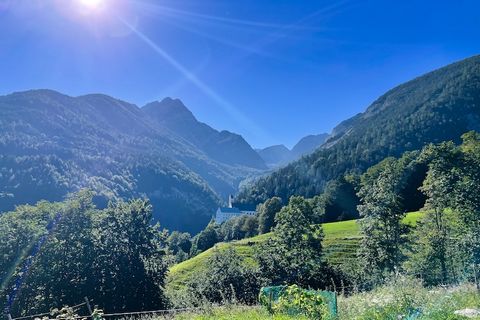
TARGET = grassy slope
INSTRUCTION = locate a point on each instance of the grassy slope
(340, 244)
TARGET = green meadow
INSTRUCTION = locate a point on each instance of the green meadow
(340, 245)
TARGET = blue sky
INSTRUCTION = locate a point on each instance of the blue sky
(271, 70)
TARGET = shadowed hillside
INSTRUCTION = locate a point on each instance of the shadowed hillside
(438, 106)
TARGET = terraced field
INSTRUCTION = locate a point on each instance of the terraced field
(340, 245)
(342, 238)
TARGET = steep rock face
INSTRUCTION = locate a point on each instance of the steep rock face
(223, 146)
(52, 144)
(438, 106)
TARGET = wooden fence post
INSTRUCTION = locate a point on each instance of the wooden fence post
(336, 305)
(270, 298)
(334, 285)
(90, 311)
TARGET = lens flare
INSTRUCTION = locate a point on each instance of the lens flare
(92, 4)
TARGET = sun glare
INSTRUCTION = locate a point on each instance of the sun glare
(92, 4)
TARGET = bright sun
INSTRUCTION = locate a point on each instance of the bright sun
(92, 4)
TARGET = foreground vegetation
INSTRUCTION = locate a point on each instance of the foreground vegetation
(407, 298)
(236, 313)
(54, 255)
(402, 298)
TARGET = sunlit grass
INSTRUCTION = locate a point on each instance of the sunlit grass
(407, 299)
(340, 245)
(236, 313)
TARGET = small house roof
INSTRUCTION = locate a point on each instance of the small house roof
(229, 210)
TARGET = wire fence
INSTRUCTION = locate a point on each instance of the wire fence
(95, 315)
(106, 315)
(39, 315)
(169, 311)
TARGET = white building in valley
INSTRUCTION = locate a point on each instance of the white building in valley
(223, 214)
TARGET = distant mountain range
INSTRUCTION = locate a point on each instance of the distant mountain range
(438, 106)
(279, 155)
(52, 144)
(225, 147)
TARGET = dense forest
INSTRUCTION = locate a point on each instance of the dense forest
(439, 106)
(52, 144)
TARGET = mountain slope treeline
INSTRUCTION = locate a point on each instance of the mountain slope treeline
(52, 144)
(441, 105)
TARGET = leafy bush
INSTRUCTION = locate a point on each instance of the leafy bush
(294, 253)
(297, 301)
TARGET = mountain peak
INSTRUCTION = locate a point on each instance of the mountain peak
(39, 93)
(169, 103)
(172, 101)
(275, 156)
(169, 109)
(226, 147)
(279, 155)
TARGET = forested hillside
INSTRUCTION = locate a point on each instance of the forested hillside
(441, 105)
(52, 144)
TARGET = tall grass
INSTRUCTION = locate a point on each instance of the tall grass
(403, 298)
(237, 313)
(229, 312)
(406, 298)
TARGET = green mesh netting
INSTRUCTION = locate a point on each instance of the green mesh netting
(270, 295)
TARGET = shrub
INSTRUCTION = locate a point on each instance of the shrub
(227, 280)
(297, 301)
